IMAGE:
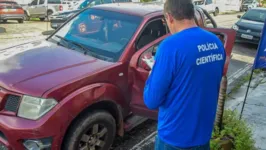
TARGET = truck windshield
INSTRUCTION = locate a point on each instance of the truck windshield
(199, 2)
(104, 33)
(255, 15)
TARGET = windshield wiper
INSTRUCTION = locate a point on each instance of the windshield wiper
(85, 49)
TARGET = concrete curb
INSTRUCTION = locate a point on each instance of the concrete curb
(232, 81)
(22, 35)
(236, 77)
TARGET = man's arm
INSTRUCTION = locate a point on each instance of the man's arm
(160, 77)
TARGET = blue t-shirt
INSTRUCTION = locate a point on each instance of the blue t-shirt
(184, 85)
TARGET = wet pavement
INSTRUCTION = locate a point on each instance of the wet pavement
(255, 108)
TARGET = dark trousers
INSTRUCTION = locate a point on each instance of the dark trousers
(160, 145)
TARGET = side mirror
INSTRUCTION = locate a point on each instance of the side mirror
(143, 64)
(239, 16)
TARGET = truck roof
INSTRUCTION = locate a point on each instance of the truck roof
(136, 9)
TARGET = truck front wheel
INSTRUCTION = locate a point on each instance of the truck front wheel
(216, 12)
(92, 131)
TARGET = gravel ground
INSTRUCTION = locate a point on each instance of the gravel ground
(134, 136)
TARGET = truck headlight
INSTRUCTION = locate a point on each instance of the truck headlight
(235, 27)
(34, 108)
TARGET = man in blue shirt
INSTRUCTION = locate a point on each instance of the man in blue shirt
(184, 81)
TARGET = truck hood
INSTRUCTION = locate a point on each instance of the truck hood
(36, 67)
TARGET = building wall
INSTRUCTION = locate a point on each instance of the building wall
(228, 5)
(23, 1)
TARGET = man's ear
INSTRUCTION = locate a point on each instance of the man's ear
(170, 18)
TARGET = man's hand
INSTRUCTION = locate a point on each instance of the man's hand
(149, 61)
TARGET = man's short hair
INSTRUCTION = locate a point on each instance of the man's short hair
(180, 9)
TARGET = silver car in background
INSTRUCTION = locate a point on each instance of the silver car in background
(42, 9)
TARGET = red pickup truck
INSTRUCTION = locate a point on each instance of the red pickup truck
(84, 84)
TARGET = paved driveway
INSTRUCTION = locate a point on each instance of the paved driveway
(21, 33)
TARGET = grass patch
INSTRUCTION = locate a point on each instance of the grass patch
(258, 71)
(234, 129)
(34, 19)
(241, 82)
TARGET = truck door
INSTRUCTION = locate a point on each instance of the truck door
(209, 6)
(139, 71)
(32, 8)
(41, 8)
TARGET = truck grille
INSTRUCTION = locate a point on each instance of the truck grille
(12, 103)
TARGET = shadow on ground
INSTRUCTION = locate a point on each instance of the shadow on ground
(48, 32)
(2, 30)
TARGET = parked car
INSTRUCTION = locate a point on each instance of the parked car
(10, 10)
(43, 8)
(59, 18)
(84, 84)
(208, 5)
(249, 4)
(249, 27)
(70, 3)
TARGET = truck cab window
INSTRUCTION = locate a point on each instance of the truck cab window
(151, 32)
(35, 2)
(208, 2)
(41, 2)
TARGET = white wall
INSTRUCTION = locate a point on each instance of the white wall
(228, 5)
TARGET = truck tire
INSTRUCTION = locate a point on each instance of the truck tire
(20, 21)
(94, 130)
(240, 9)
(49, 13)
(42, 19)
(216, 12)
(4, 21)
(26, 16)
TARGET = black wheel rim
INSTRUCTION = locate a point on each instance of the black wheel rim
(94, 138)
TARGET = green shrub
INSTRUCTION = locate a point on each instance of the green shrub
(234, 129)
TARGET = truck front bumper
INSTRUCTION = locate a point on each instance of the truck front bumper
(48, 131)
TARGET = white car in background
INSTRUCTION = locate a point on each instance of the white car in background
(249, 4)
(209, 5)
(72, 3)
(42, 9)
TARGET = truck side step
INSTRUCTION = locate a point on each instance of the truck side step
(133, 121)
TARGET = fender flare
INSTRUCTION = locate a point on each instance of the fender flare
(27, 12)
(82, 99)
(51, 9)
